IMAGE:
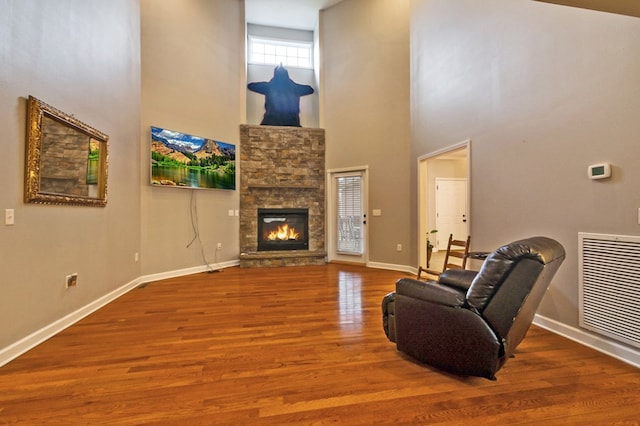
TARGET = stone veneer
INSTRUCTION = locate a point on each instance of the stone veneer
(281, 167)
(65, 157)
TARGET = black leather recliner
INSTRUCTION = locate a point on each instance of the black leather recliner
(470, 322)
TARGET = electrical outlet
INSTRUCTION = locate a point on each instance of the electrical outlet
(399, 247)
(72, 280)
(219, 246)
(136, 257)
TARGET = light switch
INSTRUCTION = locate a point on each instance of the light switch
(9, 216)
(376, 212)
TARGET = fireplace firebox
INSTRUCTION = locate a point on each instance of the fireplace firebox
(283, 229)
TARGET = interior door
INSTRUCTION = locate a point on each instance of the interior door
(451, 210)
(347, 217)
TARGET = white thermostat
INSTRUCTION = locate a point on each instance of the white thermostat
(600, 171)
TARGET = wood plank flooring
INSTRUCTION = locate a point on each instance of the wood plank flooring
(291, 346)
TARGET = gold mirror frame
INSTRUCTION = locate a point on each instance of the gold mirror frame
(66, 159)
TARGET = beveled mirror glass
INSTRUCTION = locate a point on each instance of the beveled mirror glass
(66, 159)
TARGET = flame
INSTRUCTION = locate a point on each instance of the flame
(283, 233)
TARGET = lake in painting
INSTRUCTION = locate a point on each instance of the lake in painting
(183, 176)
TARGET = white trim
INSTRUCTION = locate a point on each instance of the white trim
(347, 169)
(29, 342)
(615, 350)
(34, 339)
(463, 144)
(393, 267)
(332, 254)
(188, 271)
(308, 45)
(422, 226)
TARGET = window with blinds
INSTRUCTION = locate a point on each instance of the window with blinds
(350, 215)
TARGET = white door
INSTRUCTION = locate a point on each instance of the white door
(347, 217)
(451, 210)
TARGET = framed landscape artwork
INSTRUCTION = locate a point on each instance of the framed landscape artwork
(182, 160)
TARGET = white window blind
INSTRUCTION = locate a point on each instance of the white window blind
(350, 216)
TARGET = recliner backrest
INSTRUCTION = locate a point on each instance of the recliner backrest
(511, 284)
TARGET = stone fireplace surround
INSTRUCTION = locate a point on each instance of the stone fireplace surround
(281, 167)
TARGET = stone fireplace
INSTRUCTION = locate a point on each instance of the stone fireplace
(282, 180)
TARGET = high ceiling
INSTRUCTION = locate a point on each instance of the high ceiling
(298, 14)
(303, 14)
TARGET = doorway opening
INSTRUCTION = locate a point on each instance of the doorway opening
(448, 211)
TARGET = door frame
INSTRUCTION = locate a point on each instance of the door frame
(332, 256)
(426, 193)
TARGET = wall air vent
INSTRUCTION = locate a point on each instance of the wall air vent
(609, 275)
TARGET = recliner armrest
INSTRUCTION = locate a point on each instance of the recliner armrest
(431, 291)
(458, 278)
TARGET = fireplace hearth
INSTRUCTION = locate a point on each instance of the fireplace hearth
(283, 229)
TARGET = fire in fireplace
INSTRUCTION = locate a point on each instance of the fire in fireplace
(283, 229)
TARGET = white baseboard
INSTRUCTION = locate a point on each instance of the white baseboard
(187, 271)
(599, 343)
(27, 343)
(23, 345)
(392, 267)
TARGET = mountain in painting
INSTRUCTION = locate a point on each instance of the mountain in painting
(184, 148)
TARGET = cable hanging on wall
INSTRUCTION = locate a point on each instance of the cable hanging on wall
(195, 226)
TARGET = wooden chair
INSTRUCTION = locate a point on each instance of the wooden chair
(458, 249)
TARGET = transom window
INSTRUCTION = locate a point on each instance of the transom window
(276, 52)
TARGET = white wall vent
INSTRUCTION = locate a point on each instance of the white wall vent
(609, 275)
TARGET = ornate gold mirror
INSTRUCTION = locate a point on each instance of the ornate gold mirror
(66, 160)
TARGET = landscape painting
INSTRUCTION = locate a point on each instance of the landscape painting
(186, 161)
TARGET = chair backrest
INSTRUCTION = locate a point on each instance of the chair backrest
(457, 249)
(511, 284)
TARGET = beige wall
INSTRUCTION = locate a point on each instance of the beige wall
(193, 82)
(95, 77)
(542, 91)
(364, 85)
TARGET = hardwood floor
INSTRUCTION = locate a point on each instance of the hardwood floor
(291, 346)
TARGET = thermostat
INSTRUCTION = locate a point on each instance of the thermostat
(600, 171)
